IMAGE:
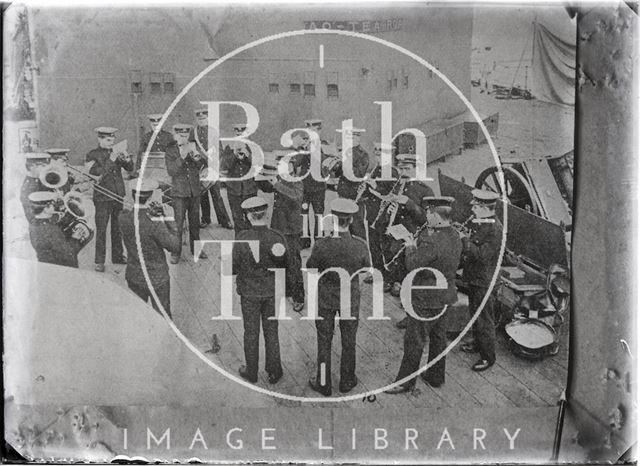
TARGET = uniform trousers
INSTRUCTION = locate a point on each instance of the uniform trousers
(348, 330)
(484, 330)
(163, 290)
(240, 222)
(189, 208)
(255, 311)
(314, 199)
(295, 282)
(218, 206)
(415, 338)
(357, 227)
(397, 271)
(108, 211)
(375, 247)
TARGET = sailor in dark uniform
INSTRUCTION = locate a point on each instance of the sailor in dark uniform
(314, 190)
(155, 236)
(480, 259)
(47, 238)
(200, 136)
(351, 254)
(371, 197)
(235, 163)
(256, 286)
(347, 188)
(163, 140)
(438, 247)
(60, 158)
(405, 197)
(287, 219)
(183, 165)
(34, 162)
(104, 163)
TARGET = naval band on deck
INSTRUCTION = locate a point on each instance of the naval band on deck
(366, 214)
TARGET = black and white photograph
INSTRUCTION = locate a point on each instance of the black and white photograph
(347, 233)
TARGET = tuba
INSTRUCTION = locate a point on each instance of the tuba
(72, 218)
(54, 176)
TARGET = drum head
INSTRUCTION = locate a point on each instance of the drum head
(531, 338)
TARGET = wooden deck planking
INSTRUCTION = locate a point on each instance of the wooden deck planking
(512, 382)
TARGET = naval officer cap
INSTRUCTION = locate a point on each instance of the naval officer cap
(313, 122)
(106, 131)
(35, 157)
(343, 207)
(42, 198)
(155, 117)
(406, 159)
(438, 201)
(182, 128)
(147, 185)
(254, 204)
(202, 112)
(484, 197)
(56, 152)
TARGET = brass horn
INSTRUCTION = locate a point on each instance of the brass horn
(54, 176)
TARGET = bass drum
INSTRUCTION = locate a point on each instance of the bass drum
(532, 339)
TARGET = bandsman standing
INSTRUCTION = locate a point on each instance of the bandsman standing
(480, 259)
(235, 163)
(200, 136)
(34, 163)
(155, 236)
(314, 190)
(351, 254)
(183, 165)
(256, 286)
(51, 244)
(160, 144)
(287, 219)
(107, 165)
(347, 188)
(439, 248)
(405, 199)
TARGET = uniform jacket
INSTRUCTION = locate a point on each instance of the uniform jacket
(164, 140)
(410, 214)
(254, 278)
(439, 250)
(30, 185)
(109, 171)
(155, 237)
(287, 206)
(345, 251)
(185, 173)
(310, 183)
(346, 187)
(480, 256)
(235, 168)
(383, 187)
(52, 245)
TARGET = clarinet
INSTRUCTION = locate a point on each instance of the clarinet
(384, 204)
(404, 246)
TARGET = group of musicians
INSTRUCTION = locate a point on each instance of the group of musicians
(365, 213)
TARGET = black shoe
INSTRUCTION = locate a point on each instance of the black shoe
(204, 224)
(469, 348)
(305, 243)
(403, 323)
(317, 388)
(396, 289)
(227, 226)
(387, 287)
(203, 255)
(120, 260)
(481, 365)
(242, 370)
(399, 389)
(346, 387)
(274, 378)
(298, 307)
(369, 278)
(426, 380)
